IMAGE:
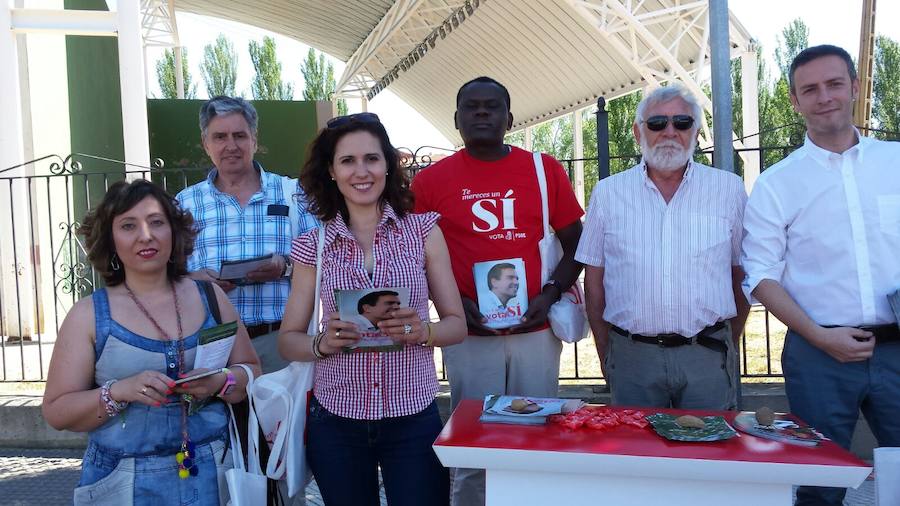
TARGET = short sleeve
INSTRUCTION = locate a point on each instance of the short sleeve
(427, 221)
(737, 223)
(564, 206)
(303, 247)
(590, 246)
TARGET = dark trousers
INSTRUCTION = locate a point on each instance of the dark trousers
(829, 395)
(344, 455)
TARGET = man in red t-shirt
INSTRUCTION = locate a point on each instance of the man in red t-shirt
(490, 205)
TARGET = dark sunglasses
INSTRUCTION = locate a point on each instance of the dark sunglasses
(360, 117)
(679, 121)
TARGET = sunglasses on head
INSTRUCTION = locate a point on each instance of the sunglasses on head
(360, 117)
(679, 121)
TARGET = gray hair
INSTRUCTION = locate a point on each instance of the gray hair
(666, 94)
(223, 105)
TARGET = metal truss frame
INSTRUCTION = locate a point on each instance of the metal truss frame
(405, 34)
(158, 25)
(624, 25)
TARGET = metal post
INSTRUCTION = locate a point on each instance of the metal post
(720, 47)
(602, 139)
(578, 148)
(131, 80)
(179, 73)
(750, 108)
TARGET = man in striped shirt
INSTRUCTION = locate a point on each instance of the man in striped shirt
(661, 248)
(243, 212)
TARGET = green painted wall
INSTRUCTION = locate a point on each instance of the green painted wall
(285, 131)
(95, 112)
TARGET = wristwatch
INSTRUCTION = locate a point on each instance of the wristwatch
(229, 383)
(288, 266)
(556, 284)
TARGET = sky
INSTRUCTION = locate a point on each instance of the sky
(830, 21)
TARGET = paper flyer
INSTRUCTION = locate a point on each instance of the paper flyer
(502, 291)
(366, 308)
(214, 346)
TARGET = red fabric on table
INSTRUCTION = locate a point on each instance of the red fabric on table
(464, 430)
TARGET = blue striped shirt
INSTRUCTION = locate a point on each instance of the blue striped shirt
(226, 231)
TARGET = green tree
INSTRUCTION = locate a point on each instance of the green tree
(165, 74)
(318, 79)
(886, 86)
(780, 125)
(267, 83)
(219, 67)
(794, 38)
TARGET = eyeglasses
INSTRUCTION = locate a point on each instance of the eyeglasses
(679, 121)
(360, 117)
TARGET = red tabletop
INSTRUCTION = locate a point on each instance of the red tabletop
(464, 430)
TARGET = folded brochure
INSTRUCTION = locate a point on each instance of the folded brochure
(522, 410)
(783, 430)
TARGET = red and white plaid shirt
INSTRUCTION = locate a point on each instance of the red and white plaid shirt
(374, 385)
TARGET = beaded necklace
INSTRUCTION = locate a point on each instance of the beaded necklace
(184, 457)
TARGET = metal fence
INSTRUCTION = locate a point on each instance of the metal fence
(45, 270)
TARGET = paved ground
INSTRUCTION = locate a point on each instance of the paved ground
(47, 477)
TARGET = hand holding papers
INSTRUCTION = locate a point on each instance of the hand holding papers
(236, 271)
(366, 308)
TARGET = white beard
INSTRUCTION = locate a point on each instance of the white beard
(666, 155)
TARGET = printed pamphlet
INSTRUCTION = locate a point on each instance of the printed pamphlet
(366, 308)
(502, 291)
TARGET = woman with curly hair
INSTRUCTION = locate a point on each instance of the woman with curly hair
(372, 409)
(119, 352)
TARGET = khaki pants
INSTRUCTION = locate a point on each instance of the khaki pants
(520, 364)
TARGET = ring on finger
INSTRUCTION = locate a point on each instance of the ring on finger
(337, 334)
(407, 328)
(144, 390)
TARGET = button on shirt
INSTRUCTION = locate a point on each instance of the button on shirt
(827, 227)
(228, 231)
(374, 385)
(667, 267)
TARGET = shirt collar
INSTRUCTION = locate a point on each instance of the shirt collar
(388, 218)
(263, 179)
(822, 155)
(684, 179)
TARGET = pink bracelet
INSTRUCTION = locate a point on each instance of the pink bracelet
(112, 407)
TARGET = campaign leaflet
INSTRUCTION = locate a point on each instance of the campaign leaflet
(502, 291)
(366, 308)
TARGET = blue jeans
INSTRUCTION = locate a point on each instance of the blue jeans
(344, 455)
(829, 395)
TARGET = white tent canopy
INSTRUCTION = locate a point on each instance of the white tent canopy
(555, 56)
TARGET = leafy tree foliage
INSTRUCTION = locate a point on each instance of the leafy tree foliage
(267, 83)
(219, 67)
(318, 79)
(165, 74)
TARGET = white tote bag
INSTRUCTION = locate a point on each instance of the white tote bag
(568, 318)
(246, 485)
(280, 400)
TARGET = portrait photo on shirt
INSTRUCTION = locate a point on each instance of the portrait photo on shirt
(502, 291)
(366, 308)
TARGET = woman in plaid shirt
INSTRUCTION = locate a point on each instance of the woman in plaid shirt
(371, 409)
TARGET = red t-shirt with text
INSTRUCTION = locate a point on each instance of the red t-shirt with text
(492, 210)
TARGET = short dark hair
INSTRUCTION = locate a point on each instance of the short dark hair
(371, 298)
(811, 53)
(324, 199)
(223, 105)
(497, 271)
(121, 197)
(489, 80)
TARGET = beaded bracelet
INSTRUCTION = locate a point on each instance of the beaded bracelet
(315, 345)
(112, 407)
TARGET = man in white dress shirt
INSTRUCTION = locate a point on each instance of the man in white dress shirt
(822, 253)
(661, 247)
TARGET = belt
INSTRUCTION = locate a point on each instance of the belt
(887, 333)
(672, 340)
(262, 329)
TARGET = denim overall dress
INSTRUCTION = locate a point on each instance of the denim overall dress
(131, 458)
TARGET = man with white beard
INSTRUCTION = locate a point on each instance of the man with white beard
(661, 247)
